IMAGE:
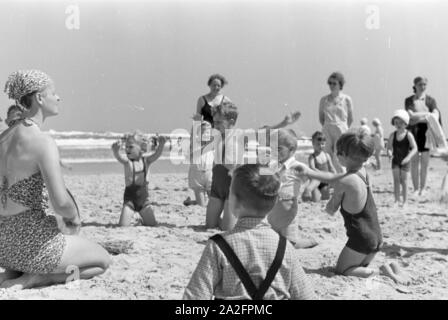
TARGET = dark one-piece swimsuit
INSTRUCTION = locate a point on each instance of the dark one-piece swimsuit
(206, 110)
(136, 196)
(363, 228)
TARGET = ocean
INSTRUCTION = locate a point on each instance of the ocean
(90, 152)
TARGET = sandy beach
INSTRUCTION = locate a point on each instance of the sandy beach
(156, 263)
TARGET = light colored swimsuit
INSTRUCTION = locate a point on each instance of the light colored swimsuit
(335, 119)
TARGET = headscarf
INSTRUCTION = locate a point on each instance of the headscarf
(24, 82)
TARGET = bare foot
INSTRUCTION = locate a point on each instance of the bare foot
(25, 281)
(305, 244)
(8, 275)
(404, 276)
(387, 271)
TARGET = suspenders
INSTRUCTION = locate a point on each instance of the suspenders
(254, 292)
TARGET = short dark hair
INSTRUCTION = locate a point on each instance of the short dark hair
(356, 144)
(339, 77)
(317, 135)
(417, 81)
(254, 190)
(219, 77)
(228, 110)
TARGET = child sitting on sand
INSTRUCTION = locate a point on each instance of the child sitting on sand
(378, 140)
(136, 169)
(252, 261)
(353, 195)
(321, 161)
(403, 146)
(229, 150)
(291, 182)
(200, 171)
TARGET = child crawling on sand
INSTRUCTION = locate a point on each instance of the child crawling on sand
(136, 169)
(321, 161)
(251, 261)
(353, 195)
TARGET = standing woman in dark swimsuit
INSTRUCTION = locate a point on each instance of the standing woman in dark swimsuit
(419, 106)
(207, 103)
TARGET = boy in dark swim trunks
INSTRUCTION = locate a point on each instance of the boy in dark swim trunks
(321, 161)
(354, 197)
(252, 261)
(401, 147)
(136, 169)
(229, 150)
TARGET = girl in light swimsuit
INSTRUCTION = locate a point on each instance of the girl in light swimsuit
(136, 168)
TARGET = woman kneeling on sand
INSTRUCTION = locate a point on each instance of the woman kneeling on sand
(33, 251)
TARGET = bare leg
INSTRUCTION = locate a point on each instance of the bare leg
(350, 263)
(200, 197)
(423, 170)
(82, 259)
(214, 210)
(9, 274)
(396, 175)
(148, 216)
(309, 192)
(126, 216)
(228, 220)
(414, 170)
(325, 192)
(378, 159)
(404, 185)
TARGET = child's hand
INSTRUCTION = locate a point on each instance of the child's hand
(301, 169)
(404, 162)
(292, 117)
(197, 117)
(116, 145)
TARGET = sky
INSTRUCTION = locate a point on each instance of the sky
(142, 65)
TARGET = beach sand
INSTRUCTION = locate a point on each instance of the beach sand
(161, 259)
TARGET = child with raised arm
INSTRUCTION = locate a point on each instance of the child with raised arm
(252, 261)
(321, 161)
(200, 171)
(228, 155)
(136, 170)
(401, 147)
(353, 195)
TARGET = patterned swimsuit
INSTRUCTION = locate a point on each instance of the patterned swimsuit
(30, 241)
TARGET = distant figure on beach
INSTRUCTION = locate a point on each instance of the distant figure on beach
(353, 195)
(335, 114)
(364, 122)
(224, 119)
(33, 251)
(252, 261)
(420, 106)
(201, 166)
(378, 140)
(136, 171)
(321, 161)
(401, 147)
(207, 103)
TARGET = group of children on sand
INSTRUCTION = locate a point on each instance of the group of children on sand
(254, 258)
